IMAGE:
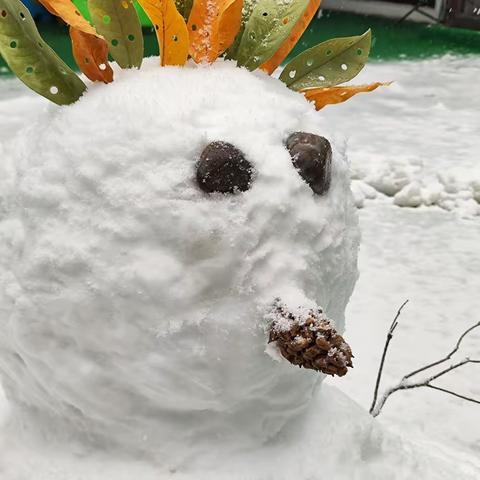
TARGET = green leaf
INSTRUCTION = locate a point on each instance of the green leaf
(248, 7)
(328, 64)
(184, 7)
(267, 28)
(32, 60)
(117, 21)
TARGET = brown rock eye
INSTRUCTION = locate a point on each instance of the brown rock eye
(223, 168)
(312, 157)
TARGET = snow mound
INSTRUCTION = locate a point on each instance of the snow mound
(410, 187)
(335, 439)
(133, 303)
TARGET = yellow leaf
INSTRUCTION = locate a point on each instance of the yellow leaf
(287, 46)
(213, 26)
(171, 30)
(330, 95)
(91, 55)
(67, 11)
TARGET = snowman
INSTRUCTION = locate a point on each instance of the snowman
(176, 244)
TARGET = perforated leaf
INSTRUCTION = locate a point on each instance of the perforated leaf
(328, 64)
(330, 95)
(212, 26)
(91, 55)
(230, 20)
(117, 21)
(68, 12)
(184, 7)
(171, 30)
(90, 50)
(269, 25)
(287, 46)
(248, 6)
(32, 60)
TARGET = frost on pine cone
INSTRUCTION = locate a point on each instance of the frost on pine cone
(310, 341)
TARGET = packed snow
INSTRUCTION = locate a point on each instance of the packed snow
(423, 254)
(135, 302)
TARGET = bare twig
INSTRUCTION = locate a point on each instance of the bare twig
(393, 326)
(448, 357)
(463, 397)
(450, 368)
(407, 383)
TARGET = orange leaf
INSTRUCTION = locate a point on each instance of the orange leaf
(329, 95)
(171, 30)
(91, 55)
(229, 24)
(67, 11)
(213, 26)
(287, 46)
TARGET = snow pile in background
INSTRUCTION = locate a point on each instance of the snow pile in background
(417, 140)
(136, 300)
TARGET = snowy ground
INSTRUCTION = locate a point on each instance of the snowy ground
(432, 259)
(424, 129)
(426, 125)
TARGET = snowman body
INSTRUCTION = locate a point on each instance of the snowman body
(135, 304)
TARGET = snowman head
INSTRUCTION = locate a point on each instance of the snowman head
(158, 221)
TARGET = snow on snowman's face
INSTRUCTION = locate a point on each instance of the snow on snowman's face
(139, 299)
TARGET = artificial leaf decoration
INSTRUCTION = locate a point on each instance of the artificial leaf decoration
(171, 30)
(91, 55)
(248, 7)
(328, 64)
(118, 22)
(66, 10)
(269, 25)
(90, 50)
(184, 7)
(281, 54)
(32, 60)
(229, 24)
(213, 26)
(257, 33)
(330, 95)
(200, 25)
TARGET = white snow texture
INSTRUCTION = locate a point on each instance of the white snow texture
(133, 303)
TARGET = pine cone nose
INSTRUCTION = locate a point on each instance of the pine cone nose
(312, 157)
(223, 168)
(310, 342)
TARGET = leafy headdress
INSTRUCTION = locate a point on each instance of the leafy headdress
(257, 34)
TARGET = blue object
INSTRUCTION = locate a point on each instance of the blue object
(38, 11)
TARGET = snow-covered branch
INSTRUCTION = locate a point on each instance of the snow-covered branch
(393, 326)
(408, 383)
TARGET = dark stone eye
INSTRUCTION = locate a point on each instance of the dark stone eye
(312, 157)
(223, 168)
